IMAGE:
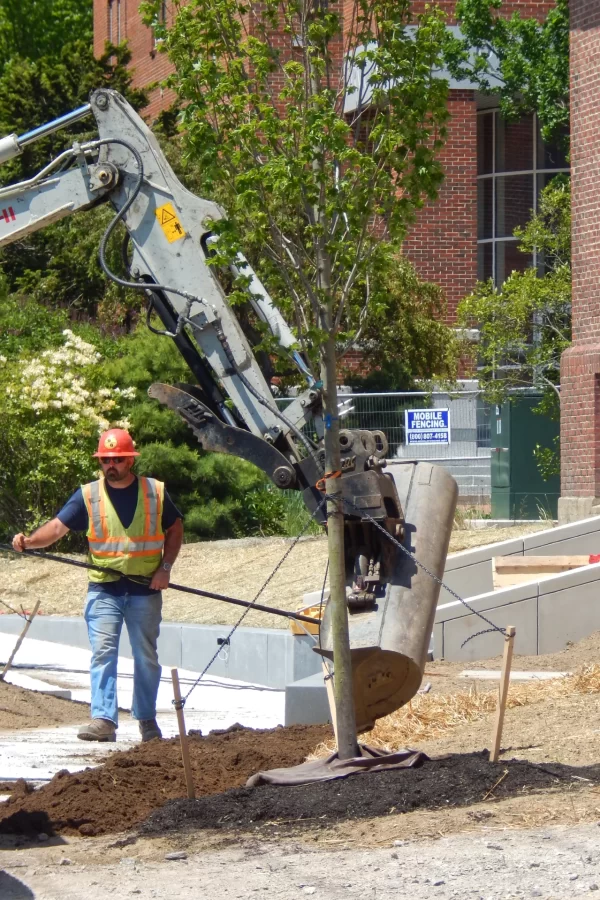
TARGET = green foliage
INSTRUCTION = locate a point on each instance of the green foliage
(220, 496)
(58, 266)
(31, 29)
(296, 518)
(54, 404)
(404, 338)
(548, 459)
(26, 326)
(533, 60)
(525, 325)
(310, 191)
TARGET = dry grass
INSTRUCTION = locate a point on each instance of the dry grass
(429, 716)
(237, 568)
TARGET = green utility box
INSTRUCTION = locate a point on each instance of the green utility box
(518, 489)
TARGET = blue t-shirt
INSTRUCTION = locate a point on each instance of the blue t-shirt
(74, 515)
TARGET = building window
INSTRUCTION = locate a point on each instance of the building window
(513, 166)
(115, 30)
(162, 20)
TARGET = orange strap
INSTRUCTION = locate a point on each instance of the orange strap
(320, 485)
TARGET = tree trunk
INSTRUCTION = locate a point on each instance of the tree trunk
(342, 663)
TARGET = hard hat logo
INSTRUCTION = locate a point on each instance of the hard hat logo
(116, 442)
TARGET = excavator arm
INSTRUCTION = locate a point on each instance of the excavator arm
(169, 230)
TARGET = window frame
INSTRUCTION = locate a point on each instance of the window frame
(495, 174)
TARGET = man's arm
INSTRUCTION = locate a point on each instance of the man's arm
(172, 546)
(47, 534)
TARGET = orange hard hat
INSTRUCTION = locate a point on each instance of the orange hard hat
(116, 442)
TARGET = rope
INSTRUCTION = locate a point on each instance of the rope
(179, 704)
(439, 581)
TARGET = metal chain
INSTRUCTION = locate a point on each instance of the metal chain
(180, 704)
(425, 569)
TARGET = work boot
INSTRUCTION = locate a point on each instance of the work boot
(98, 730)
(149, 730)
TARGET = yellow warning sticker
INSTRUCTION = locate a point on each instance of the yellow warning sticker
(170, 224)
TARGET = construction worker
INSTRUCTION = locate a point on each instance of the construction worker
(132, 526)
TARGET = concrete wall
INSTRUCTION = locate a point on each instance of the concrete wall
(469, 573)
(266, 656)
(547, 615)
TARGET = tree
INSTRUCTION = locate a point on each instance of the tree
(522, 61)
(31, 29)
(404, 338)
(525, 325)
(317, 126)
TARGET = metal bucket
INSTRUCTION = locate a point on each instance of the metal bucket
(389, 643)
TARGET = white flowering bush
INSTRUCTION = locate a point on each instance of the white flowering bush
(53, 408)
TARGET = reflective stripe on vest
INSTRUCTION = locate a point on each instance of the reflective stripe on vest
(130, 553)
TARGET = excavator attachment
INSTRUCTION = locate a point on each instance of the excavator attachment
(389, 641)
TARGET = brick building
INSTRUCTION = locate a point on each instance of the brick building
(494, 171)
(580, 369)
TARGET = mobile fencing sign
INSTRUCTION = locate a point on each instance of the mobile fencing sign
(427, 426)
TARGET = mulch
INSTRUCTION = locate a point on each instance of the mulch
(452, 781)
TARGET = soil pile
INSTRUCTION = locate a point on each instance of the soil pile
(444, 783)
(122, 792)
(27, 709)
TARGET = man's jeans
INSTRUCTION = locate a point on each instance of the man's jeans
(105, 615)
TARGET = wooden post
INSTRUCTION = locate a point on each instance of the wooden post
(185, 750)
(328, 678)
(509, 643)
(20, 640)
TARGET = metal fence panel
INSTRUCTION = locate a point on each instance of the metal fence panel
(469, 421)
(467, 456)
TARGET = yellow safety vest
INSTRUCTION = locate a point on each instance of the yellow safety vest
(136, 550)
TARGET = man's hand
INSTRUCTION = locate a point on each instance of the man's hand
(18, 542)
(160, 580)
(47, 534)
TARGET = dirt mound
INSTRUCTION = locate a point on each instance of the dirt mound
(27, 709)
(122, 792)
(453, 781)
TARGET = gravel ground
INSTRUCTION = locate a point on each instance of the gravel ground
(546, 863)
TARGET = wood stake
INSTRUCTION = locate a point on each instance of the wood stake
(20, 640)
(509, 643)
(328, 678)
(185, 750)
